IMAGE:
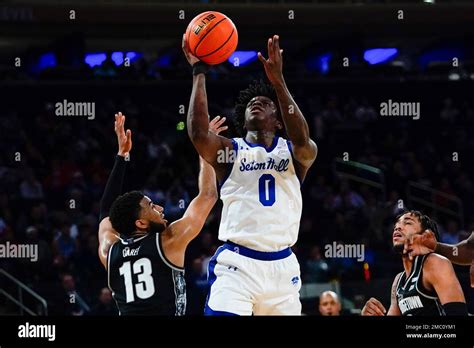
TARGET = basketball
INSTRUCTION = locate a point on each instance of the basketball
(211, 37)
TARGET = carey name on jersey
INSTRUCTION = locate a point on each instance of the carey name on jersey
(281, 166)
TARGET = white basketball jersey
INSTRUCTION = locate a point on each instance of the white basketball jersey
(262, 197)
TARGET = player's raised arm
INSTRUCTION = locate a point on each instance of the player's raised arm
(461, 253)
(424, 243)
(107, 235)
(304, 149)
(206, 143)
(189, 226)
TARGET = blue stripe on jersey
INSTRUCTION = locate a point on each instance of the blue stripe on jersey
(211, 276)
(270, 149)
(230, 165)
(257, 255)
(209, 311)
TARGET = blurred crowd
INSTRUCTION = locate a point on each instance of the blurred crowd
(53, 172)
(168, 64)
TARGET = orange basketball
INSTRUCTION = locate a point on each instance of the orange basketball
(211, 37)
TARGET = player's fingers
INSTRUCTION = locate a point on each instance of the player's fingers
(129, 135)
(405, 246)
(374, 310)
(368, 311)
(270, 48)
(221, 129)
(261, 58)
(220, 122)
(121, 125)
(431, 233)
(276, 44)
(378, 313)
(214, 122)
(183, 43)
(118, 121)
(408, 243)
(378, 306)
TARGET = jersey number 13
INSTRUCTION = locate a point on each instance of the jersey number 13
(145, 287)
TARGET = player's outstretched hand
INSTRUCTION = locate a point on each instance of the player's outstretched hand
(420, 244)
(124, 138)
(190, 58)
(373, 307)
(274, 64)
(216, 125)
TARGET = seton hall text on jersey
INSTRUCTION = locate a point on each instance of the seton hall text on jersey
(282, 166)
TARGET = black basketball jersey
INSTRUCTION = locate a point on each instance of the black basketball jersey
(143, 281)
(412, 297)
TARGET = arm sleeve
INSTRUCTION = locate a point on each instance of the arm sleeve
(455, 308)
(113, 188)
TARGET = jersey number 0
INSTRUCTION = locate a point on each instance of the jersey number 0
(145, 287)
(266, 190)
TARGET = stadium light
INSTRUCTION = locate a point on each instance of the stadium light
(133, 55)
(47, 60)
(379, 55)
(454, 77)
(93, 59)
(164, 61)
(117, 57)
(241, 58)
(319, 63)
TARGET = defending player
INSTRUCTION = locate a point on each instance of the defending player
(428, 286)
(143, 256)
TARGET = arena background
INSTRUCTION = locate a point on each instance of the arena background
(53, 169)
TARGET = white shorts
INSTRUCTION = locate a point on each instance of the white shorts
(243, 281)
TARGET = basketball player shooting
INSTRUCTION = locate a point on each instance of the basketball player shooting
(255, 271)
(143, 255)
(428, 286)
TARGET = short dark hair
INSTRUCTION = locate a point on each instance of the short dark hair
(255, 89)
(426, 222)
(125, 210)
